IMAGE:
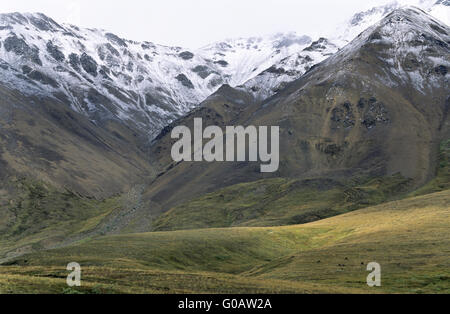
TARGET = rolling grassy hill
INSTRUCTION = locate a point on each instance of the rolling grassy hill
(278, 202)
(37, 216)
(409, 238)
(359, 130)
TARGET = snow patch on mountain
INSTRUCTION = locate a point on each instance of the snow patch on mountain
(148, 86)
(244, 58)
(359, 22)
(295, 66)
(104, 76)
(412, 48)
(289, 69)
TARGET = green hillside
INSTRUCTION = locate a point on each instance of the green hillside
(277, 202)
(409, 238)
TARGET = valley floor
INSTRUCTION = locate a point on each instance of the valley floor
(410, 239)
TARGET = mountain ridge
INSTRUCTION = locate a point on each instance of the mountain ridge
(147, 86)
(361, 127)
(106, 77)
(377, 108)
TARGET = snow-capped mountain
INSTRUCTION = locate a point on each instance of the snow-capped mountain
(268, 82)
(102, 75)
(377, 108)
(244, 58)
(105, 76)
(148, 85)
(289, 69)
(412, 48)
(359, 22)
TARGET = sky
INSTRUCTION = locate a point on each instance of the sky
(195, 23)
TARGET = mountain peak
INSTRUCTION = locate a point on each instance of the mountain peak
(360, 17)
(361, 21)
(414, 18)
(403, 25)
(38, 20)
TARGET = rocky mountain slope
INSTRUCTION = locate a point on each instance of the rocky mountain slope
(43, 140)
(279, 74)
(276, 77)
(359, 22)
(145, 85)
(78, 108)
(99, 74)
(106, 77)
(377, 108)
(244, 58)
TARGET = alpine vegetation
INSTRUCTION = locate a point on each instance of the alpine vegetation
(235, 145)
(261, 165)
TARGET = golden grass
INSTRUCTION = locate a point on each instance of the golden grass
(409, 238)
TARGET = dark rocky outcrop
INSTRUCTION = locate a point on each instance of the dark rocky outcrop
(55, 52)
(442, 70)
(42, 78)
(202, 71)
(186, 55)
(21, 48)
(318, 45)
(43, 22)
(342, 116)
(74, 61)
(116, 40)
(222, 63)
(89, 64)
(185, 81)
